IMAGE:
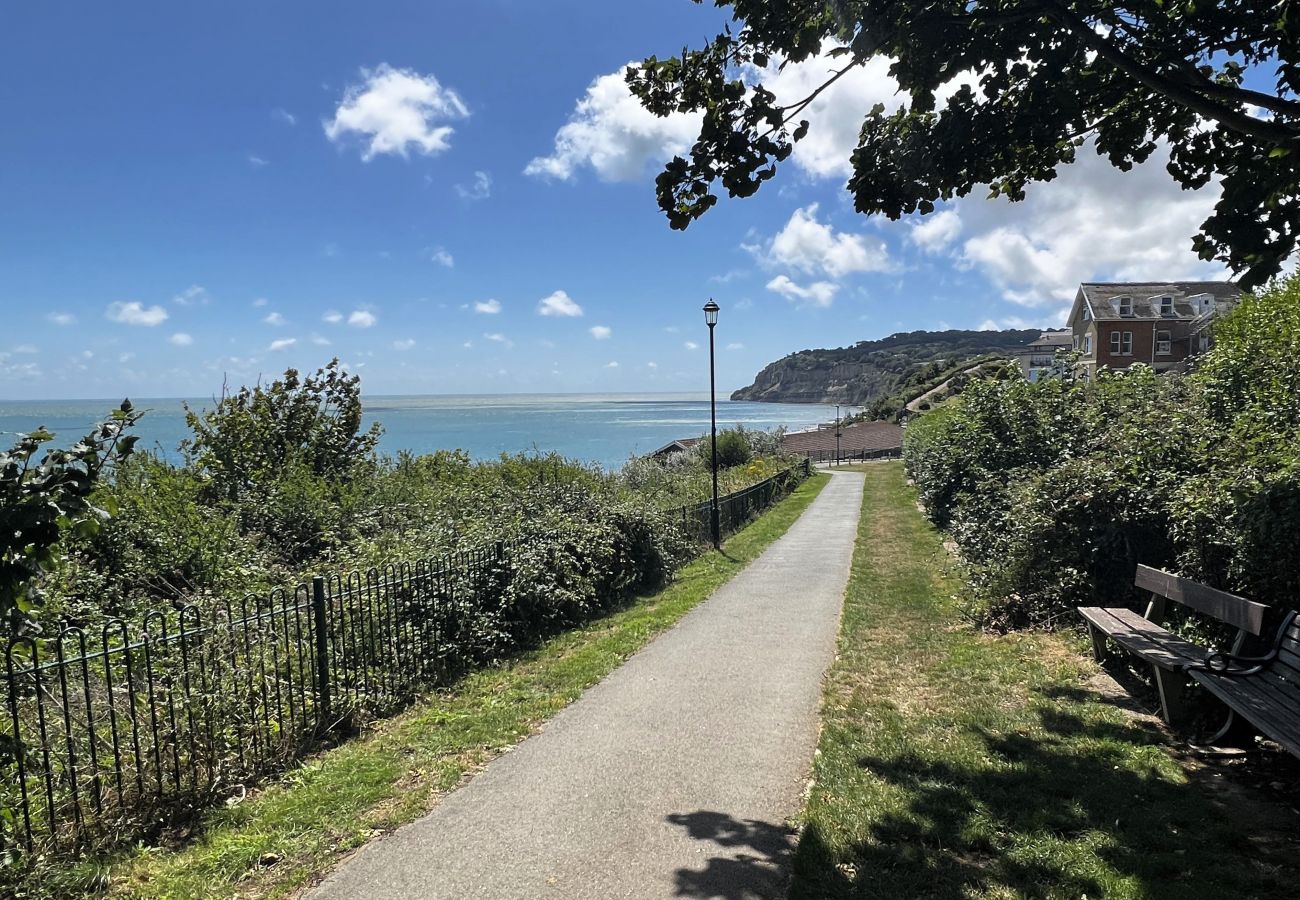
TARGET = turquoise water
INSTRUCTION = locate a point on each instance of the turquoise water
(600, 428)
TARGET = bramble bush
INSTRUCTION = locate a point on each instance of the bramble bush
(282, 481)
(1055, 490)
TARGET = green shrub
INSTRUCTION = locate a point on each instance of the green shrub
(734, 448)
(250, 436)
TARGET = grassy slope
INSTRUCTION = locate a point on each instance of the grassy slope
(958, 764)
(283, 836)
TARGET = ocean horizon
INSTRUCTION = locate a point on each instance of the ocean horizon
(599, 428)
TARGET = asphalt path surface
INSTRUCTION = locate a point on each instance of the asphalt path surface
(673, 777)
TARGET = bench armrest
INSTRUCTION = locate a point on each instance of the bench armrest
(1220, 663)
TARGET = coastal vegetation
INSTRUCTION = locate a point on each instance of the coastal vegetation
(1055, 490)
(167, 644)
(879, 374)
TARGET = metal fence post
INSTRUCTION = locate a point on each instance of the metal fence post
(322, 652)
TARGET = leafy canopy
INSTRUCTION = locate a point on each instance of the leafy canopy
(1049, 77)
(41, 500)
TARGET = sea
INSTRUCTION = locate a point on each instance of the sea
(605, 429)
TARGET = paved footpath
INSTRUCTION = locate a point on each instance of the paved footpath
(674, 776)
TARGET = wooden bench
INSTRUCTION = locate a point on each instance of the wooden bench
(1263, 690)
(1169, 655)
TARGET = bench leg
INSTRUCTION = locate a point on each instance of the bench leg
(1170, 685)
(1098, 642)
(1236, 732)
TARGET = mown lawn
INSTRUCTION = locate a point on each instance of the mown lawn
(955, 764)
(295, 829)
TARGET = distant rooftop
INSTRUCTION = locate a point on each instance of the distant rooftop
(1190, 298)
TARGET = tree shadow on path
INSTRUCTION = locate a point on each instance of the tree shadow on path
(752, 863)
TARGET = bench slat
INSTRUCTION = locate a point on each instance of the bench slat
(1144, 638)
(1272, 713)
(1236, 611)
(1260, 706)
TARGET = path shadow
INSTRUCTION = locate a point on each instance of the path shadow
(753, 862)
(1081, 808)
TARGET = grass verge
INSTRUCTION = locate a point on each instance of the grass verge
(955, 764)
(299, 826)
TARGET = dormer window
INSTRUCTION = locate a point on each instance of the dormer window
(1166, 306)
(1125, 305)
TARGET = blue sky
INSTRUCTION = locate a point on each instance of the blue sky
(458, 198)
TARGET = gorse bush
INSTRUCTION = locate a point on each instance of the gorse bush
(1055, 490)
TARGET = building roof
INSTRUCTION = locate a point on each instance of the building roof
(863, 436)
(680, 445)
(1052, 340)
(1102, 298)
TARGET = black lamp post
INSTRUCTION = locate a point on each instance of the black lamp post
(837, 434)
(711, 319)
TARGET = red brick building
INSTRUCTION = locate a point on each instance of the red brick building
(1161, 323)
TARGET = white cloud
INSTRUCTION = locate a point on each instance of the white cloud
(274, 319)
(442, 257)
(62, 318)
(136, 313)
(835, 117)
(1091, 223)
(558, 304)
(735, 345)
(480, 189)
(260, 302)
(600, 332)
(396, 110)
(652, 365)
(362, 318)
(497, 338)
(332, 317)
(488, 307)
(181, 339)
(818, 293)
(404, 344)
(611, 365)
(936, 231)
(194, 295)
(320, 341)
(690, 345)
(610, 131)
(283, 116)
(987, 325)
(257, 162)
(815, 248)
(282, 343)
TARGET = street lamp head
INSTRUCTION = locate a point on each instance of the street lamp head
(711, 313)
